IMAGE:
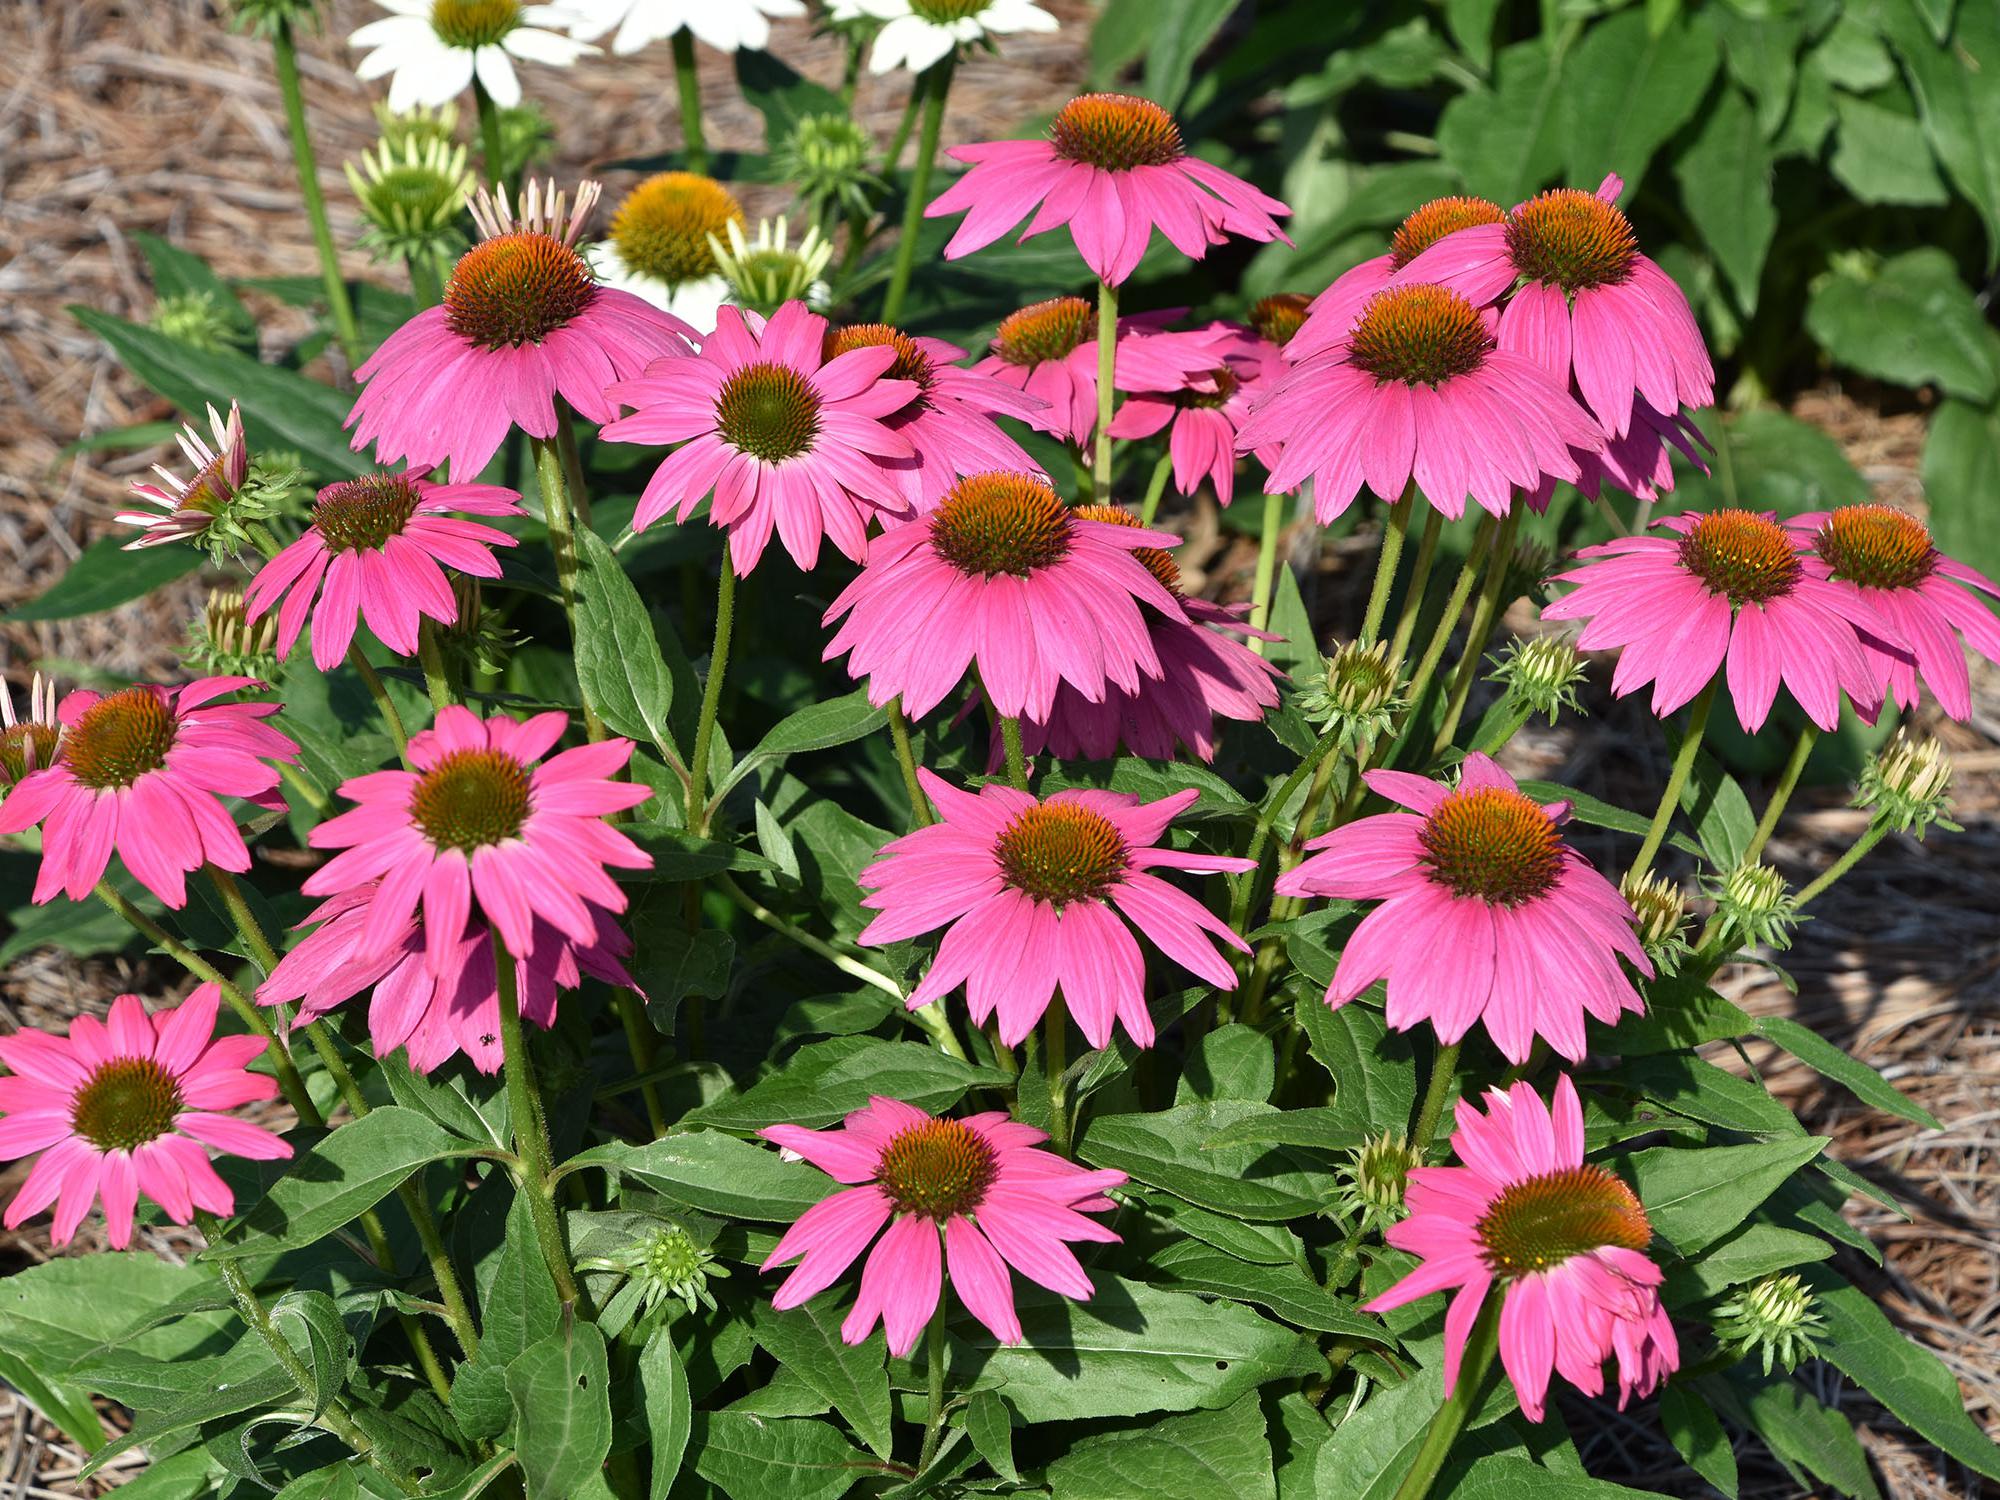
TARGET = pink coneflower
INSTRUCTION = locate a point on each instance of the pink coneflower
(1207, 412)
(1331, 316)
(784, 436)
(1419, 390)
(1728, 588)
(435, 1015)
(184, 509)
(1028, 890)
(128, 1106)
(484, 819)
(1486, 916)
(1564, 1238)
(1205, 674)
(979, 1183)
(523, 322)
(1113, 169)
(949, 422)
(376, 543)
(1588, 306)
(1886, 557)
(1049, 350)
(27, 742)
(142, 771)
(1006, 577)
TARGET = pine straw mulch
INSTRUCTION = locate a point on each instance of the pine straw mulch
(116, 117)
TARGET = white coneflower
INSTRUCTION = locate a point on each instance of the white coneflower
(661, 247)
(435, 48)
(919, 33)
(726, 25)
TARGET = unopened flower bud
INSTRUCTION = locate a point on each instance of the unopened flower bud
(1908, 785)
(265, 17)
(1358, 693)
(1756, 907)
(478, 640)
(225, 642)
(1661, 909)
(1375, 1178)
(1778, 1319)
(194, 319)
(661, 1264)
(1542, 675)
(28, 742)
(1528, 570)
(418, 127)
(826, 155)
(412, 197)
(765, 273)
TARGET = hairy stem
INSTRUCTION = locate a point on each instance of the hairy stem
(531, 1138)
(687, 84)
(1107, 361)
(934, 85)
(1670, 798)
(711, 696)
(284, 52)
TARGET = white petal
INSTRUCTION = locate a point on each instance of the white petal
(394, 31)
(545, 46)
(496, 71)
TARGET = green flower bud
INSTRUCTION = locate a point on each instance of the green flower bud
(664, 1263)
(225, 642)
(1908, 785)
(413, 198)
(1541, 675)
(196, 320)
(1778, 1319)
(765, 273)
(1358, 694)
(417, 127)
(266, 18)
(1756, 908)
(826, 155)
(1661, 909)
(1374, 1180)
(479, 641)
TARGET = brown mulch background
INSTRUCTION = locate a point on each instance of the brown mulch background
(152, 116)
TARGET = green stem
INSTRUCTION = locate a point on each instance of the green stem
(531, 1139)
(1484, 616)
(384, 704)
(1155, 487)
(687, 84)
(1817, 888)
(489, 133)
(1017, 762)
(711, 695)
(935, 83)
(853, 967)
(934, 1371)
(1267, 820)
(261, 950)
(1451, 1418)
(1107, 361)
(285, 54)
(893, 157)
(1397, 527)
(426, 285)
(1420, 580)
(899, 735)
(1267, 568)
(639, 1042)
(559, 514)
(1444, 1066)
(1788, 781)
(1454, 605)
(437, 681)
(1055, 1058)
(1670, 798)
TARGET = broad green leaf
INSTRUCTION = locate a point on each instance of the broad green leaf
(1166, 1150)
(1693, 1430)
(1231, 1062)
(561, 1388)
(1881, 156)
(668, 1407)
(471, 1108)
(991, 1427)
(823, 1081)
(1508, 140)
(1956, 100)
(187, 1475)
(310, 1322)
(1719, 811)
(1681, 1011)
(1694, 1197)
(670, 963)
(1370, 1451)
(757, 1458)
(480, 1480)
(1725, 178)
(1601, 814)
(1802, 1431)
(780, 95)
(1506, 1476)
(1374, 1071)
(1318, 1128)
(249, 1382)
(1752, 1251)
(1702, 1091)
(1867, 1085)
(1961, 456)
(1904, 1376)
(1769, 460)
(1129, 1350)
(817, 726)
(1625, 92)
(618, 662)
(679, 856)
(716, 1173)
(1191, 1266)
(1200, 1456)
(1260, 1244)
(1470, 23)
(1853, 55)
(1180, 30)
(64, 1405)
(1914, 322)
(105, 576)
(806, 1340)
(58, 1314)
(1761, 54)
(332, 1182)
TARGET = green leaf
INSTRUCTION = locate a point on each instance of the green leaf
(1601, 814)
(1802, 1431)
(716, 1173)
(1200, 1456)
(817, 726)
(1470, 23)
(1702, 1091)
(1692, 1429)
(1771, 461)
(618, 662)
(1506, 1476)
(1956, 100)
(349, 1170)
(1626, 91)
(679, 856)
(823, 1081)
(65, 1406)
(1370, 1451)
(668, 1407)
(1507, 140)
(1166, 1150)
(310, 1322)
(806, 1340)
(1882, 157)
(991, 1427)
(756, 1458)
(1694, 1197)
(1753, 1251)
(1231, 1062)
(1129, 1350)
(1373, 1068)
(1319, 1129)
(336, 1482)
(105, 576)
(780, 95)
(221, 1389)
(1725, 178)
(1720, 812)
(281, 409)
(1681, 1011)
(1867, 1085)
(1915, 322)
(670, 963)
(1761, 53)
(1189, 1265)
(1179, 32)
(561, 1388)
(1904, 1376)
(1961, 456)
(58, 1314)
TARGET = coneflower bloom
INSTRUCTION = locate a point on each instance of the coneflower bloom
(1331, 315)
(785, 437)
(484, 825)
(374, 550)
(949, 422)
(1727, 590)
(1585, 304)
(1419, 390)
(1032, 892)
(1005, 577)
(659, 245)
(127, 1106)
(184, 509)
(1207, 413)
(1049, 350)
(1486, 916)
(436, 48)
(1564, 1239)
(1887, 557)
(141, 772)
(523, 321)
(726, 25)
(435, 1015)
(980, 1184)
(27, 742)
(1113, 169)
(919, 33)
(1206, 674)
